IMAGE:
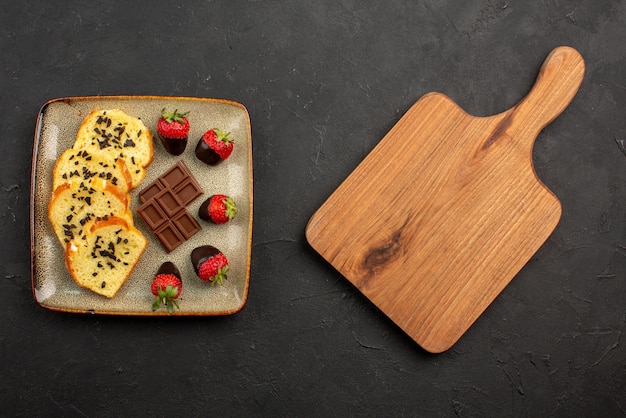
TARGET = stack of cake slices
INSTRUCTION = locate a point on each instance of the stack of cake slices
(89, 207)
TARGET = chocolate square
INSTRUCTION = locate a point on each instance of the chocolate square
(152, 214)
(150, 191)
(188, 191)
(169, 202)
(175, 175)
(169, 236)
(186, 224)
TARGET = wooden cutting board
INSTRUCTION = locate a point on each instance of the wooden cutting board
(447, 208)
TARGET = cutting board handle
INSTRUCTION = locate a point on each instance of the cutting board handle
(557, 83)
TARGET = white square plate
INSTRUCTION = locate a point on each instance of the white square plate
(57, 125)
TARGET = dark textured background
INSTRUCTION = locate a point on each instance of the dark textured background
(323, 81)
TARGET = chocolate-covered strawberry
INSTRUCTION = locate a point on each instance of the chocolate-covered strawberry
(166, 286)
(173, 129)
(214, 146)
(218, 209)
(210, 264)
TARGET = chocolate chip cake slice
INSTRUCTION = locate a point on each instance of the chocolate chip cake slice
(120, 135)
(74, 204)
(103, 257)
(90, 167)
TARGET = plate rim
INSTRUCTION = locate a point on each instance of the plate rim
(33, 184)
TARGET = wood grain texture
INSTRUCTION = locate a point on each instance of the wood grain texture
(447, 208)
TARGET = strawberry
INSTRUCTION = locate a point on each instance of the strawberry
(210, 264)
(214, 146)
(218, 209)
(173, 129)
(166, 286)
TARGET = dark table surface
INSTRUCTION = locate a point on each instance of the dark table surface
(323, 81)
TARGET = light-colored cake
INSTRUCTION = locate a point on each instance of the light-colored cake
(102, 258)
(89, 207)
(74, 204)
(116, 133)
(79, 164)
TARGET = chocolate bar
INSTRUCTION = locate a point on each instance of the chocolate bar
(164, 206)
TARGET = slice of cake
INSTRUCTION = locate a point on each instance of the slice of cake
(89, 167)
(74, 204)
(122, 136)
(102, 259)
